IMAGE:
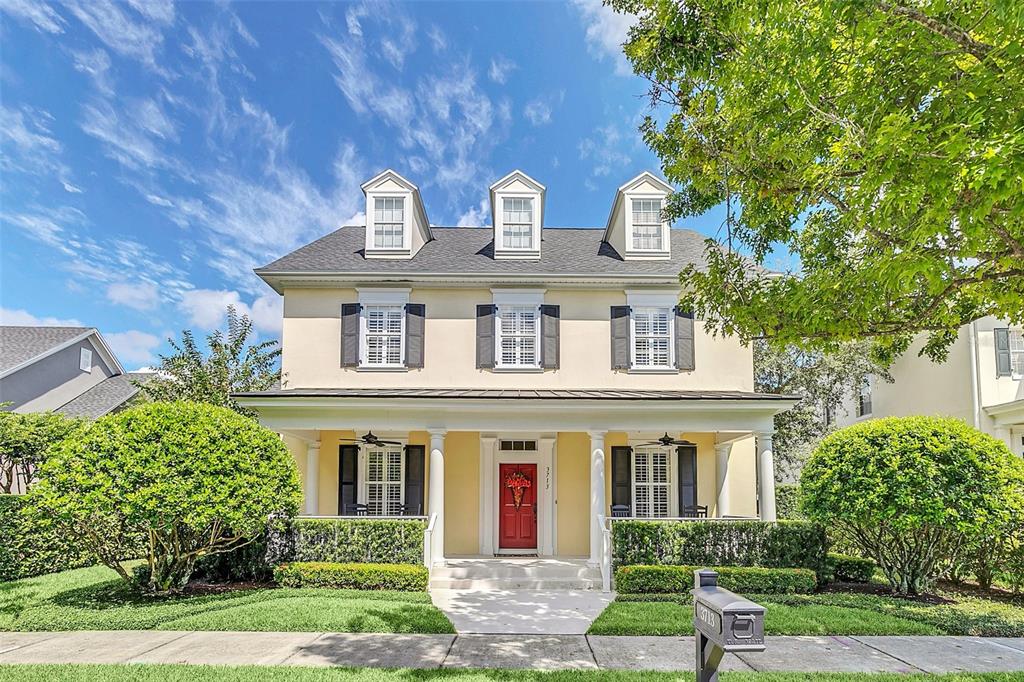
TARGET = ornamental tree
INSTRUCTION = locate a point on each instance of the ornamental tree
(191, 479)
(910, 490)
(878, 144)
(25, 441)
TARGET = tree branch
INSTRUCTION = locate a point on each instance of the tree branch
(977, 49)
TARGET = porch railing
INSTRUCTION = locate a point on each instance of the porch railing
(428, 542)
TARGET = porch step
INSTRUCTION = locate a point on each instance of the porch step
(515, 574)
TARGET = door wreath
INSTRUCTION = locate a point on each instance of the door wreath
(518, 483)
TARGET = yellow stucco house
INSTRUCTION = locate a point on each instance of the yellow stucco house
(514, 384)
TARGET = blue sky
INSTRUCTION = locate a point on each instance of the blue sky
(153, 154)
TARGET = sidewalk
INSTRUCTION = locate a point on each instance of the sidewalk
(542, 652)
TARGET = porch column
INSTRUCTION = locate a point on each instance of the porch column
(1003, 434)
(597, 500)
(766, 475)
(312, 477)
(722, 470)
(435, 493)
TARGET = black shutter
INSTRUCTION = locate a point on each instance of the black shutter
(620, 336)
(1004, 367)
(348, 467)
(685, 359)
(485, 336)
(350, 334)
(415, 322)
(549, 322)
(687, 477)
(414, 470)
(622, 476)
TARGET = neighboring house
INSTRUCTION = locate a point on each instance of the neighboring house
(981, 382)
(514, 355)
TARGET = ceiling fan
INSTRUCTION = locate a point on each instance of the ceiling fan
(369, 439)
(668, 441)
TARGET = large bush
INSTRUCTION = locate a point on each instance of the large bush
(910, 490)
(25, 441)
(679, 579)
(355, 541)
(195, 479)
(784, 544)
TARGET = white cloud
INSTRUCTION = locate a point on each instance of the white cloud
(537, 112)
(120, 31)
(44, 17)
(136, 295)
(606, 30)
(96, 65)
(438, 41)
(500, 69)
(30, 148)
(476, 216)
(207, 309)
(160, 11)
(133, 346)
(603, 148)
(23, 318)
(267, 313)
(159, 201)
(73, 189)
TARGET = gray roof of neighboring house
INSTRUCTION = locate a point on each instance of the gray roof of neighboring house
(470, 250)
(21, 344)
(512, 394)
(105, 397)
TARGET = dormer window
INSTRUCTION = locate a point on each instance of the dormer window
(517, 223)
(647, 227)
(636, 227)
(517, 209)
(389, 222)
(396, 223)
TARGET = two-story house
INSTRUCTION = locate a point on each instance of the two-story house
(516, 383)
(981, 382)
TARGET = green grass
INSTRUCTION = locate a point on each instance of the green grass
(826, 614)
(197, 673)
(94, 599)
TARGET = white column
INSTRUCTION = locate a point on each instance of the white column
(1003, 434)
(722, 451)
(766, 475)
(597, 500)
(312, 477)
(435, 494)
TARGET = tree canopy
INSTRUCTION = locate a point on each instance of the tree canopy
(25, 441)
(879, 142)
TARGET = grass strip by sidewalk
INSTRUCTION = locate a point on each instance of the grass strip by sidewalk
(198, 673)
(93, 599)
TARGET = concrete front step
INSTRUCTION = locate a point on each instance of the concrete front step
(515, 574)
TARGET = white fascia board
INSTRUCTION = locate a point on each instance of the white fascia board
(101, 345)
(517, 174)
(278, 281)
(621, 191)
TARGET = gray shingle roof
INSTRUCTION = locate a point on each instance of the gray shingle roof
(20, 344)
(470, 250)
(104, 397)
(511, 394)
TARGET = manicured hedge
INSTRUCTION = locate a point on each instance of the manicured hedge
(850, 569)
(783, 544)
(29, 544)
(356, 541)
(679, 579)
(787, 501)
(401, 577)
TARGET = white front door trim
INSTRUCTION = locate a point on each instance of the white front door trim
(490, 490)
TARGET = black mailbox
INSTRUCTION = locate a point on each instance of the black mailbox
(724, 622)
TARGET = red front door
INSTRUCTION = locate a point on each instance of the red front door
(517, 524)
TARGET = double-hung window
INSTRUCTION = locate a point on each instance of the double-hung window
(652, 338)
(864, 398)
(518, 336)
(389, 222)
(385, 481)
(517, 223)
(383, 336)
(647, 227)
(651, 482)
(1016, 339)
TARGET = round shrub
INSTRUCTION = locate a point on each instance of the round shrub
(193, 479)
(909, 490)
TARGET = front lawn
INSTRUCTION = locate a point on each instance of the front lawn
(95, 599)
(827, 614)
(198, 673)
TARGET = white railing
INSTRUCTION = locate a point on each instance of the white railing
(428, 542)
(363, 517)
(606, 552)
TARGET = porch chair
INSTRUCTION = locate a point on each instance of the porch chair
(699, 511)
(358, 509)
(621, 511)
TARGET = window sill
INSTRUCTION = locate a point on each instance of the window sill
(382, 368)
(518, 370)
(653, 370)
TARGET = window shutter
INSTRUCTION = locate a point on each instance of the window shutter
(1004, 368)
(620, 336)
(687, 477)
(485, 336)
(685, 359)
(415, 321)
(414, 469)
(350, 334)
(348, 464)
(622, 476)
(549, 341)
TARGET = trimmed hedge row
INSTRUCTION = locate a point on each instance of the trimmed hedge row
(30, 545)
(401, 577)
(782, 544)
(355, 541)
(850, 569)
(679, 579)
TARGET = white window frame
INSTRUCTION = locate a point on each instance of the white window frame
(402, 225)
(670, 498)
(659, 224)
(1015, 340)
(669, 337)
(531, 246)
(867, 388)
(505, 299)
(369, 298)
(85, 360)
(665, 250)
(364, 481)
(409, 206)
(498, 213)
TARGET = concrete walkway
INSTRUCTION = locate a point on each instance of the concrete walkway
(543, 652)
(517, 612)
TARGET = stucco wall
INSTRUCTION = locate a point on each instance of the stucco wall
(572, 494)
(462, 493)
(312, 346)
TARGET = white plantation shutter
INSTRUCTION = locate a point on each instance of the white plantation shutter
(385, 486)
(651, 483)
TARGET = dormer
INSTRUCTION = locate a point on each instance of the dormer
(396, 222)
(636, 228)
(517, 213)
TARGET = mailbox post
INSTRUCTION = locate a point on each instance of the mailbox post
(724, 622)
